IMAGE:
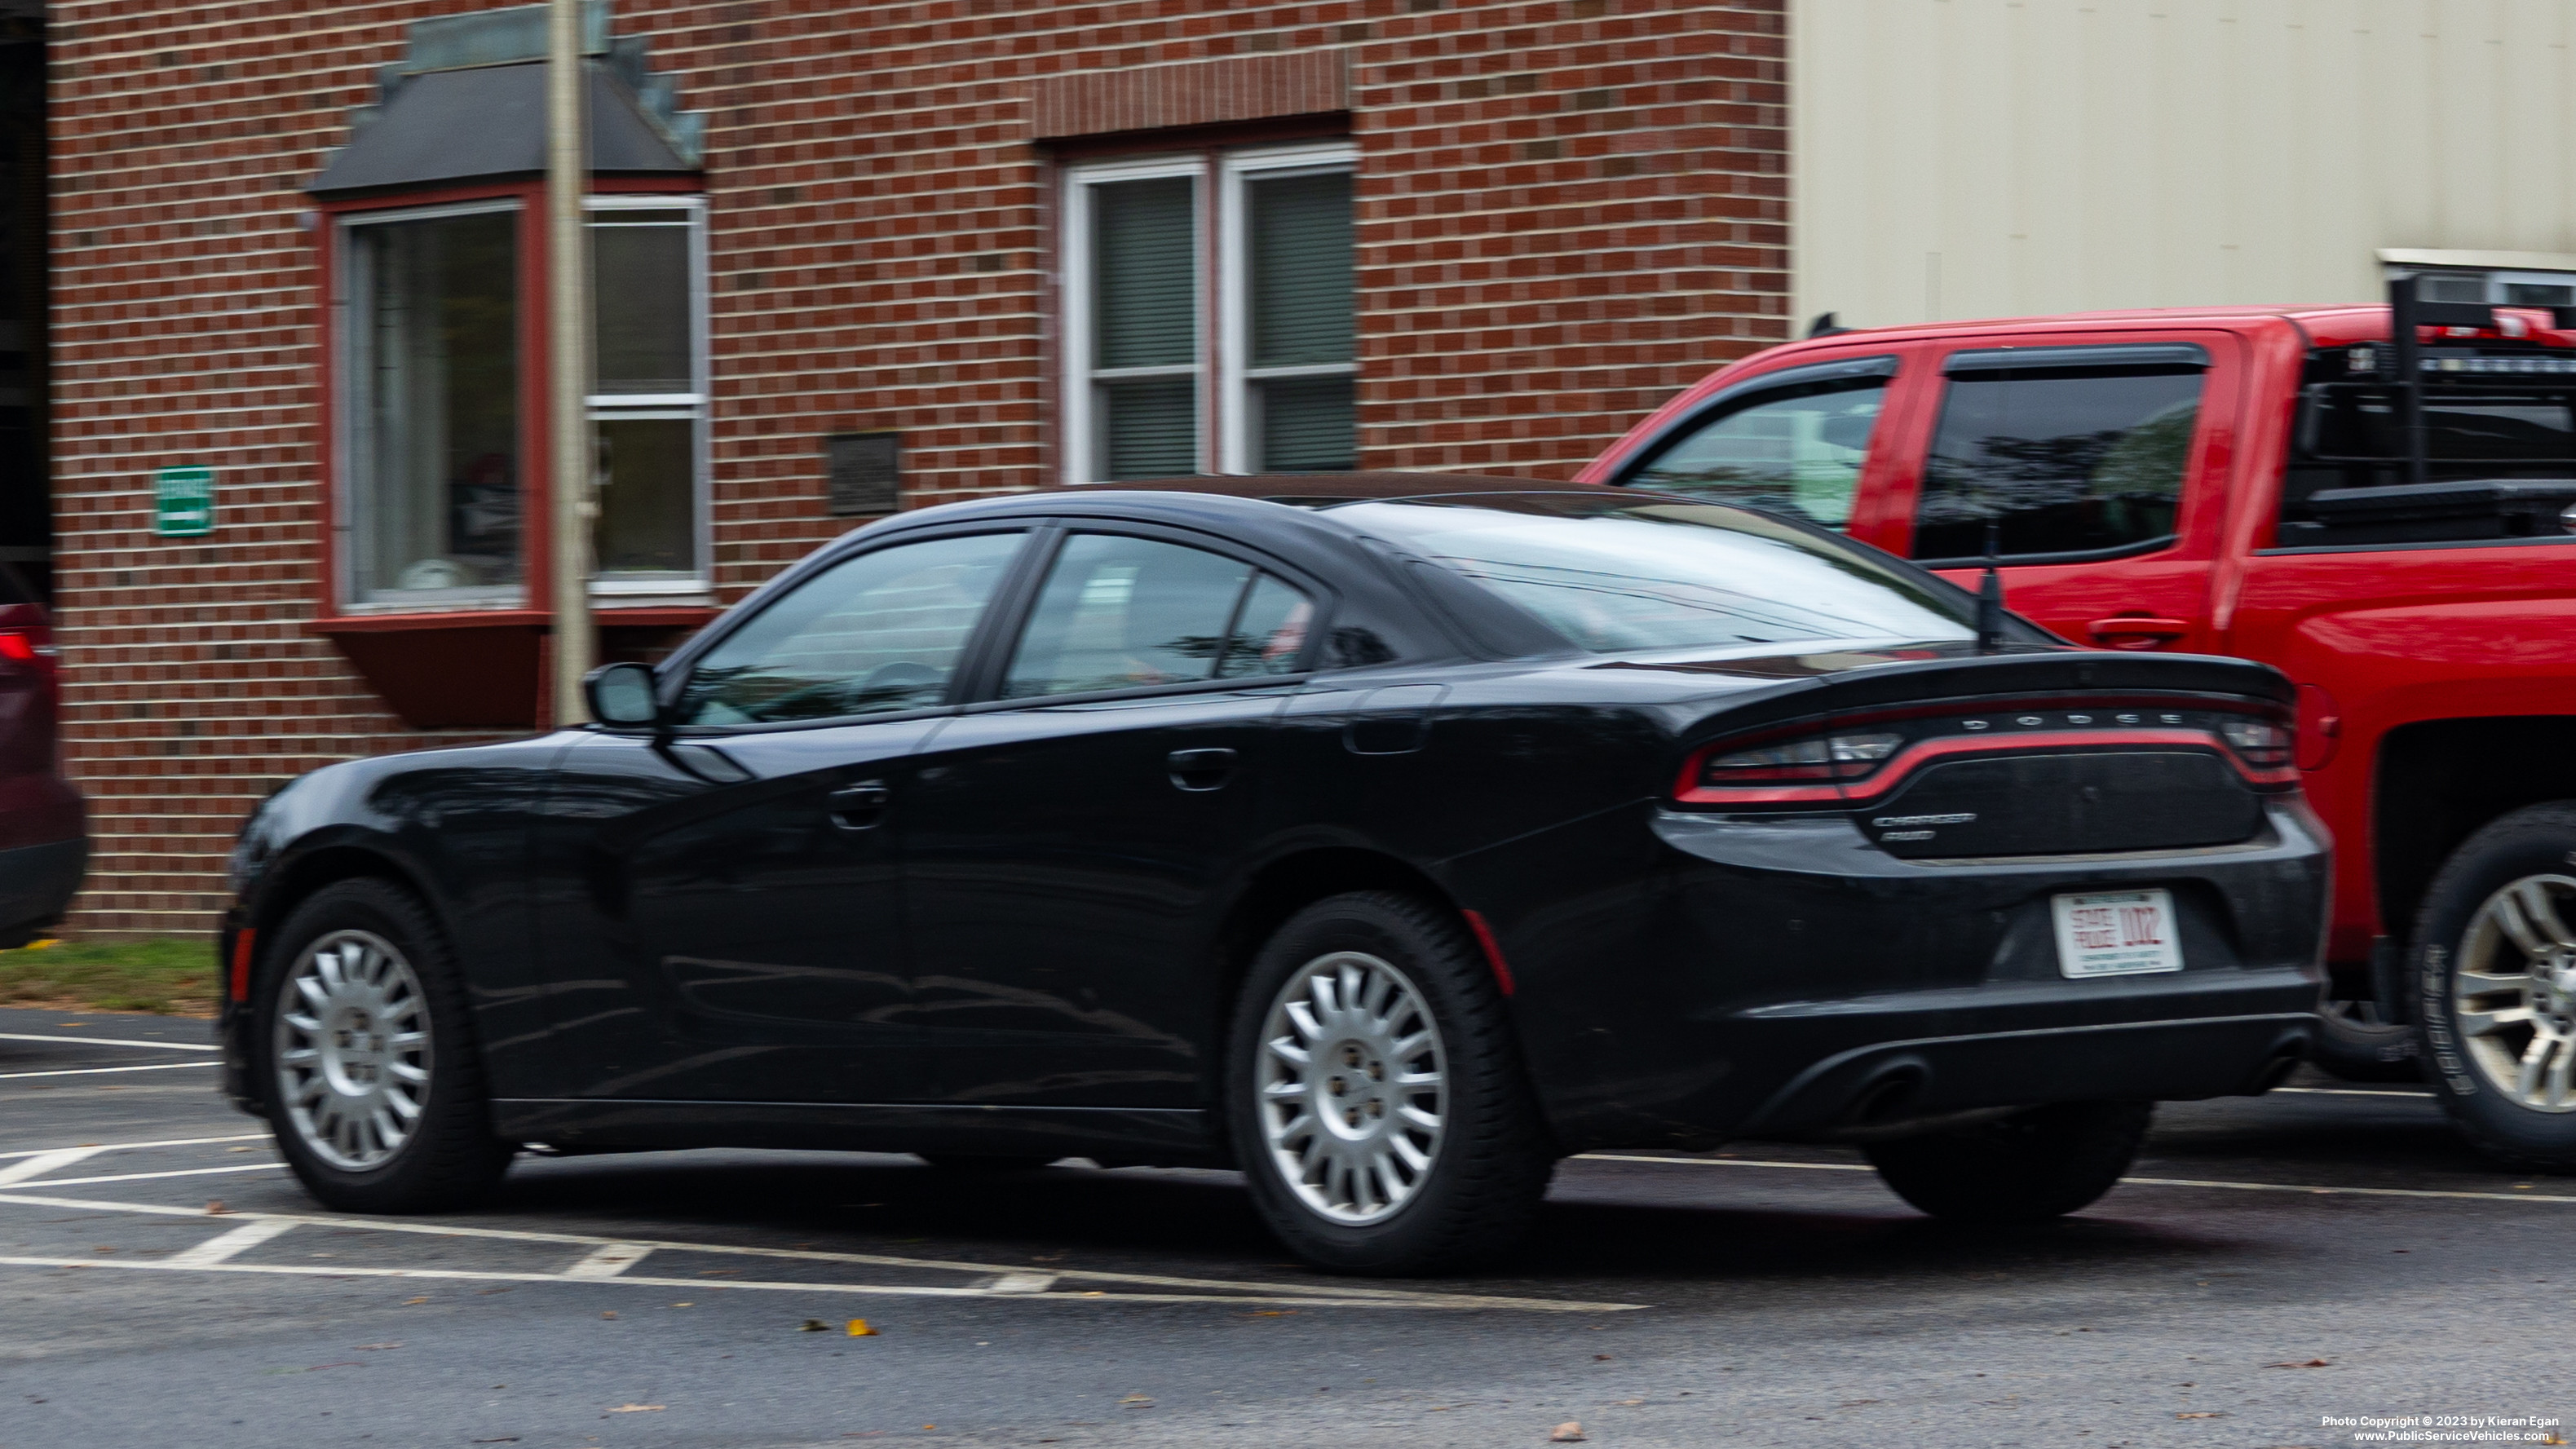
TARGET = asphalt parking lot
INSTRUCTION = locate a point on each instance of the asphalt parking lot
(2325, 1251)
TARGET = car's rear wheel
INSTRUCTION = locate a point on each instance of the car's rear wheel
(2494, 982)
(374, 1085)
(2025, 1168)
(1376, 1096)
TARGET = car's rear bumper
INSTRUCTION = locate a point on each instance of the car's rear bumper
(37, 883)
(1746, 977)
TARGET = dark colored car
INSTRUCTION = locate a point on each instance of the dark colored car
(1388, 847)
(44, 828)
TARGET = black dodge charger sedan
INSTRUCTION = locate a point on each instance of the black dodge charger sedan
(1387, 837)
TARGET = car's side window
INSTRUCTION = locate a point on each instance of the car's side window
(1795, 449)
(1123, 613)
(2059, 450)
(873, 634)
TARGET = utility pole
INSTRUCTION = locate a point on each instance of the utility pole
(568, 346)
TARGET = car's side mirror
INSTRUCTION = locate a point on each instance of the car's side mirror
(622, 696)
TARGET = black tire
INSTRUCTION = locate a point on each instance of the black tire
(2025, 1168)
(448, 1157)
(2357, 1046)
(965, 1165)
(1488, 1166)
(2538, 841)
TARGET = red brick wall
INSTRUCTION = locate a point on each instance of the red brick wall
(1568, 209)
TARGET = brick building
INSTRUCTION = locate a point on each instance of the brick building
(850, 256)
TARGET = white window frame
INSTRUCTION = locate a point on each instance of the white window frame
(1082, 461)
(1238, 407)
(348, 392)
(691, 586)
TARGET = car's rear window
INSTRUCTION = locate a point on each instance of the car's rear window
(1616, 575)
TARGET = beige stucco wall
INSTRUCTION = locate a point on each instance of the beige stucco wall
(1971, 158)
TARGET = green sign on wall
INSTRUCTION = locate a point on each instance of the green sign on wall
(183, 502)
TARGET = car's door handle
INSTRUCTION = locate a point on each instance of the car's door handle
(858, 807)
(1200, 769)
(2137, 631)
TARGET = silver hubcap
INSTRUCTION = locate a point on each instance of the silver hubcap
(2513, 994)
(1351, 1084)
(352, 1049)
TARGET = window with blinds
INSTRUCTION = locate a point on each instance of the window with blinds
(1209, 316)
(1145, 362)
(1300, 370)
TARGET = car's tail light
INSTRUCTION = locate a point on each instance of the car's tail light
(2257, 742)
(1823, 757)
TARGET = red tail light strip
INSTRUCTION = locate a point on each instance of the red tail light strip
(241, 963)
(1493, 949)
(1912, 757)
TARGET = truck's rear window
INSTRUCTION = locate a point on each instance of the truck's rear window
(2059, 459)
(2348, 483)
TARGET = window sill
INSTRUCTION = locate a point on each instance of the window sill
(473, 668)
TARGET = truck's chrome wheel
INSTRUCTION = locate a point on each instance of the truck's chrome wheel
(352, 1049)
(2513, 992)
(1350, 1081)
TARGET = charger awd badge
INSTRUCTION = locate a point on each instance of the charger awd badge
(1907, 827)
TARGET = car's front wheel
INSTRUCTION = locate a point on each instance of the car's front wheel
(375, 1089)
(2494, 977)
(2025, 1168)
(1376, 1096)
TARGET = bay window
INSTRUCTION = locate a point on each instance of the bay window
(1208, 315)
(436, 378)
(432, 388)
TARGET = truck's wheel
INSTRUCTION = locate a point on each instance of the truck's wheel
(2026, 1168)
(2494, 983)
(1375, 1093)
(373, 1083)
(2359, 1047)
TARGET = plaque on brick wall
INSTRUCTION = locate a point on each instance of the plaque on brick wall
(864, 472)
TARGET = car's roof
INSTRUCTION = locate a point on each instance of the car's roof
(1313, 489)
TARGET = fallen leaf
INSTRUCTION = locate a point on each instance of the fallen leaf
(1569, 1432)
(814, 1325)
(1640, 1401)
(2311, 1363)
(216, 1208)
(1137, 1401)
(637, 1409)
(1271, 1313)
(1601, 1358)
(247, 1149)
(859, 1329)
(684, 1305)
(2202, 1415)
(409, 1301)
(373, 1347)
(608, 1315)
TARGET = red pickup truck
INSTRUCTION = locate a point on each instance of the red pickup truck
(2386, 514)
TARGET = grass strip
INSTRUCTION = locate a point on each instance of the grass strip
(170, 977)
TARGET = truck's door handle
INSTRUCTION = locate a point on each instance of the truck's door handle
(858, 807)
(2137, 631)
(1197, 770)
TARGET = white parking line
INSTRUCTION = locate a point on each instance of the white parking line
(40, 1163)
(2298, 1187)
(167, 1046)
(877, 1290)
(609, 1261)
(148, 1176)
(226, 1245)
(94, 1071)
(1342, 1294)
(133, 1146)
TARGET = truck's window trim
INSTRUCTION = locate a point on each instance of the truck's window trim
(2156, 544)
(2014, 359)
(2528, 541)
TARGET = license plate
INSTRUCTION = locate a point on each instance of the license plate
(2116, 933)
